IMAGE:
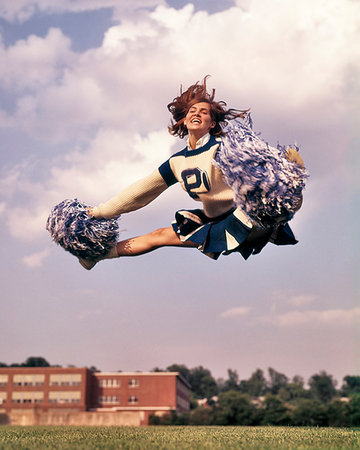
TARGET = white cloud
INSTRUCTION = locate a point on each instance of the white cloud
(106, 104)
(35, 62)
(331, 317)
(36, 259)
(239, 311)
(113, 161)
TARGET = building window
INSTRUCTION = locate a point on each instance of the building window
(133, 400)
(27, 397)
(4, 380)
(65, 379)
(133, 382)
(109, 382)
(28, 380)
(64, 396)
(109, 399)
(2, 398)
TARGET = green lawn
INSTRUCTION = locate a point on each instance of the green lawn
(17, 437)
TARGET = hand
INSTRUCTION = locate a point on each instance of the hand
(293, 156)
(90, 211)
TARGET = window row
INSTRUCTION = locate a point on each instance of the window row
(106, 399)
(115, 382)
(38, 397)
(39, 380)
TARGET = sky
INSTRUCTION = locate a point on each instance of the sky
(83, 92)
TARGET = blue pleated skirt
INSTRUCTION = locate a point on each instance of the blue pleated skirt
(227, 233)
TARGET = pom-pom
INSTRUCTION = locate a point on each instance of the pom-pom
(266, 185)
(77, 232)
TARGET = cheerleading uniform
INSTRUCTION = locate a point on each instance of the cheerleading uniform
(220, 227)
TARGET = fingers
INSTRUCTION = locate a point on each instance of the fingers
(293, 156)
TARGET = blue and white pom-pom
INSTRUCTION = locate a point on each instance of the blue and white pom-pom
(266, 185)
(77, 232)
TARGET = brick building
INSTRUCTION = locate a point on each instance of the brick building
(53, 395)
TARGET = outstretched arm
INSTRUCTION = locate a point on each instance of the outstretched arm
(134, 197)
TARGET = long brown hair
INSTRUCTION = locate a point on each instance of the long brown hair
(197, 93)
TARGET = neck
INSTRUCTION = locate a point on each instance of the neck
(193, 138)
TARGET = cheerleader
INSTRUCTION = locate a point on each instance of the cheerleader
(241, 211)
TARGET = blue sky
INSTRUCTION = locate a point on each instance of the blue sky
(83, 92)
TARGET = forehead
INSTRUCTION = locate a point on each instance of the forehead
(200, 105)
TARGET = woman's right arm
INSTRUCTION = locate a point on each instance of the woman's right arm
(134, 197)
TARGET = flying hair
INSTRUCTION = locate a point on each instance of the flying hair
(197, 93)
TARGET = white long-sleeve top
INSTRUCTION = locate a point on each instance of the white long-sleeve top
(195, 171)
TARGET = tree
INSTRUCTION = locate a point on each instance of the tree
(203, 385)
(277, 381)
(234, 408)
(35, 361)
(309, 413)
(275, 411)
(351, 385)
(354, 410)
(256, 384)
(293, 390)
(232, 382)
(337, 414)
(182, 369)
(322, 387)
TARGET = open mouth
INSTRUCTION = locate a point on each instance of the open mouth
(195, 121)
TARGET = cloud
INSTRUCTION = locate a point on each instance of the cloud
(23, 10)
(35, 62)
(331, 317)
(239, 311)
(99, 111)
(301, 300)
(36, 259)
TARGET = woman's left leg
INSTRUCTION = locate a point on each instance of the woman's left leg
(139, 245)
(163, 237)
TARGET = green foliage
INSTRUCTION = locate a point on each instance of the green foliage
(256, 384)
(234, 408)
(277, 381)
(337, 414)
(354, 410)
(351, 385)
(275, 412)
(322, 386)
(203, 384)
(309, 413)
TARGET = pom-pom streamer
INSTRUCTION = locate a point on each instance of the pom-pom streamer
(77, 232)
(266, 185)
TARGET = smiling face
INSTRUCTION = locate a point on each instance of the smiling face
(198, 120)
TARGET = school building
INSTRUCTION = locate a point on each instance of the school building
(79, 396)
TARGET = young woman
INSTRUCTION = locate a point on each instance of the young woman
(219, 227)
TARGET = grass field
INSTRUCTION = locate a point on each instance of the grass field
(16, 437)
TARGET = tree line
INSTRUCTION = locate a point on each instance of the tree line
(262, 399)
(267, 400)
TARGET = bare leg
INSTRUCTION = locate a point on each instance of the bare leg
(163, 237)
